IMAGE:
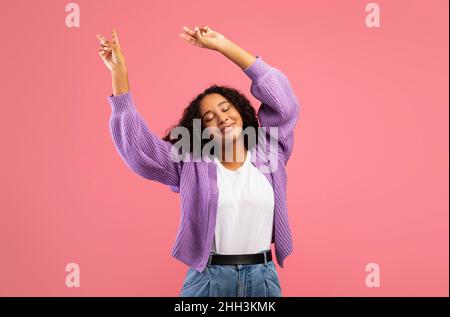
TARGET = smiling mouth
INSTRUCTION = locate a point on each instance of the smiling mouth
(228, 129)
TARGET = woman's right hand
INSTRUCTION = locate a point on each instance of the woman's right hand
(111, 53)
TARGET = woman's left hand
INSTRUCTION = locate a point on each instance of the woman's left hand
(203, 37)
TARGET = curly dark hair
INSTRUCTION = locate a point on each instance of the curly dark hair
(192, 111)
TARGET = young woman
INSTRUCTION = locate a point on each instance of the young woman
(234, 205)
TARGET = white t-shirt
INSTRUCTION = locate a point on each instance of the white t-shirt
(245, 210)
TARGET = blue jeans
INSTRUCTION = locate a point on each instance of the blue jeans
(240, 280)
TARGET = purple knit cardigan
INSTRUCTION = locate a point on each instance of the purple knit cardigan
(149, 156)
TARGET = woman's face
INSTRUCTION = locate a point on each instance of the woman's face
(217, 112)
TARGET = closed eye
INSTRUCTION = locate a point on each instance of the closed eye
(210, 118)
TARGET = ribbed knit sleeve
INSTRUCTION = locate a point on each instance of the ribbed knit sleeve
(279, 105)
(142, 150)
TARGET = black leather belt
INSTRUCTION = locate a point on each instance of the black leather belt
(231, 259)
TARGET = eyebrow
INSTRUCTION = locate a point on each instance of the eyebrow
(220, 103)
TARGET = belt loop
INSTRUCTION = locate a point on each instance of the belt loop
(210, 258)
(265, 258)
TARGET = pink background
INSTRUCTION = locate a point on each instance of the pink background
(367, 180)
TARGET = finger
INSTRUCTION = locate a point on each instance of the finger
(195, 42)
(198, 33)
(187, 36)
(102, 54)
(110, 45)
(188, 31)
(105, 58)
(190, 37)
(115, 37)
(106, 55)
(114, 46)
(106, 49)
(192, 41)
(101, 38)
(205, 29)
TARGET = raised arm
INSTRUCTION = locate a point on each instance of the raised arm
(142, 150)
(279, 105)
(207, 38)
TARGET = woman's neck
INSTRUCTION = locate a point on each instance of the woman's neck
(235, 156)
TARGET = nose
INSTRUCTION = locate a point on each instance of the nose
(222, 119)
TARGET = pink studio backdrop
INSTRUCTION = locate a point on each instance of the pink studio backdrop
(367, 180)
